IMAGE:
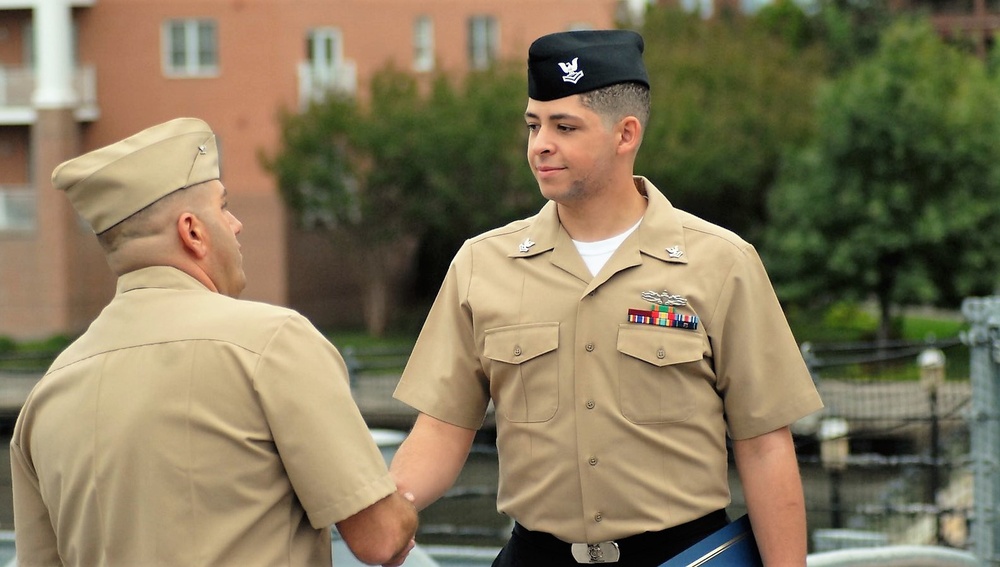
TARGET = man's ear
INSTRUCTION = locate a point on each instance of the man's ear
(192, 234)
(630, 134)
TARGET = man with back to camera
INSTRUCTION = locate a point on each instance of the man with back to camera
(621, 342)
(187, 427)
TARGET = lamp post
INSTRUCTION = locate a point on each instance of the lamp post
(932, 362)
(834, 450)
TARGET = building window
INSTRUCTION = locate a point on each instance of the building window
(483, 41)
(324, 48)
(752, 6)
(28, 45)
(423, 44)
(325, 69)
(191, 48)
(704, 8)
(17, 208)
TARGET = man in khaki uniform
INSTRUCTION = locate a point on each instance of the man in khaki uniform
(620, 340)
(186, 427)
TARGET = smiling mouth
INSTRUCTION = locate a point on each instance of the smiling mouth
(543, 170)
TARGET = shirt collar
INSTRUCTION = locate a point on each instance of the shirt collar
(660, 235)
(162, 277)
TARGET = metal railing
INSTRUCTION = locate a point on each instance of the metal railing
(316, 83)
(17, 86)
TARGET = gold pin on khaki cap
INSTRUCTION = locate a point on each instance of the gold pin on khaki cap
(112, 183)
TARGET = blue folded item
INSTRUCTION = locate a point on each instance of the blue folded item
(731, 546)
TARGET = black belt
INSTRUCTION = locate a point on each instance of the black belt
(650, 548)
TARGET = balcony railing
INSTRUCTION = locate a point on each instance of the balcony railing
(944, 7)
(957, 7)
(17, 85)
(17, 207)
(315, 83)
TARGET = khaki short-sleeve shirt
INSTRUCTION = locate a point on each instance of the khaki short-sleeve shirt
(189, 428)
(606, 426)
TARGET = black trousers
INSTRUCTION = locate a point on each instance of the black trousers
(526, 548)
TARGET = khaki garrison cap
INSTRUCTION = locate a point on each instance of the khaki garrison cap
(112, 183)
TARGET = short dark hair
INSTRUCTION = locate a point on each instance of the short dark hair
(619, 100)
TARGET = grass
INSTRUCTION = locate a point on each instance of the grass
(30, 356)
(839, 324)
(919, 328)
(853, 323)
(850, 322)
(362, 340)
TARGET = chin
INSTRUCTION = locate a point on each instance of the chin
(549, 190)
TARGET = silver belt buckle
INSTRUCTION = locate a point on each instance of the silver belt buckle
(590, 553)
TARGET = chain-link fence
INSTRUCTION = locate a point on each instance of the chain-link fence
(904, 452)
(887, 461)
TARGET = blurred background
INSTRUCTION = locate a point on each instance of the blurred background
(855, 143)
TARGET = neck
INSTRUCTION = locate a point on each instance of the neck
(157, 250)
(604, 216)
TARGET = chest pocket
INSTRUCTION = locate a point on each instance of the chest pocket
(659, 378)
(524, 370)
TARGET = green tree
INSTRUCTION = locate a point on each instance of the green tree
(481, 177)
(850, 29)
(414, 160)
(895, 198)
(728, 96)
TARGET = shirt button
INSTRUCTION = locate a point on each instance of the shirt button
(661, 353)
(517, 351)
(589, 347)
(593, 461)
(598, 517)
(590, 404)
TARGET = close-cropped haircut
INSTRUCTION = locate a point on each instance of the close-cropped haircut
(617, 101)
(144, 222)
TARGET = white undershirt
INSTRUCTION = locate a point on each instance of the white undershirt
(596, 254)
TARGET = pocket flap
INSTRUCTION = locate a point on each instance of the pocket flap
(660, 347)
(520, 343)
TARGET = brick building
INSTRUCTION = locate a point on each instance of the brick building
(79, 74)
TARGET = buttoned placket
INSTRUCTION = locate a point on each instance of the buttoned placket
(589, 347)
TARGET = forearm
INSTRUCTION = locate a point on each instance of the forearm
(381, 532)
(430, 459)
(769, 473)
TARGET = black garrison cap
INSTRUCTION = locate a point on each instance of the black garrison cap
(574, 62)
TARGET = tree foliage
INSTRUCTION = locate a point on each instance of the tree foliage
(850, 29)
(728, 96)
(895, 198)
(432, 162)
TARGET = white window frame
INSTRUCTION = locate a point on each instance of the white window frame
(423, 44)
(199, 59)
(484, 41)
(325, 49)
(17, 208)
(704, 8)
